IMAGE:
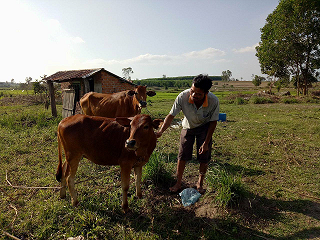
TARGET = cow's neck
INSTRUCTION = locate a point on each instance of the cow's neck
(136, 104)
(146, 149)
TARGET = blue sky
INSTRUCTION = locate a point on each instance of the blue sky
(155, 38)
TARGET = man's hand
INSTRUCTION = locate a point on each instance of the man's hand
(165, 125)
(158, 134)
(204, 147)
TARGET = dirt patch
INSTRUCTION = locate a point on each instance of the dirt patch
(26, 100)
(20, 100)
(205, 208)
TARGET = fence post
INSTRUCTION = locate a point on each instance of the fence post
(52, 98)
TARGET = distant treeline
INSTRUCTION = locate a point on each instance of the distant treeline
(8, 85)
(185, 81)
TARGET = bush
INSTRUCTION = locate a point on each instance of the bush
(312, 100)
(316, 93)
(289, 100)
(239, 101)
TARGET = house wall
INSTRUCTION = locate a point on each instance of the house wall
(65, 85)
(111, 84)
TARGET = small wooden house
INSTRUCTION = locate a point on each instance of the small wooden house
(79, 82)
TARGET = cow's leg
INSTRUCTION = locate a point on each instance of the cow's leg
(63, 180)
(73, 164)
(125, 180)
(137, 175)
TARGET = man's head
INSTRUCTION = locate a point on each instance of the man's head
(203, 82)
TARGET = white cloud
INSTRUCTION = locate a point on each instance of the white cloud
(209, 53)
(78, 40)
(246, 49)
(212, 54)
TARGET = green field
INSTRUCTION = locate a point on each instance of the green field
(272, 148)
(12, 93)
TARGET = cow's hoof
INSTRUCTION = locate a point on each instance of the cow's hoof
(63, 195)
(126, 211)
(125, 208)
(75, 203)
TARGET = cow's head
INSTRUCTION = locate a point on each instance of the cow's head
(141, 93)
(141, 132)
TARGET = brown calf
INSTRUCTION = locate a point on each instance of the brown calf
(127, 142)
(121, 104)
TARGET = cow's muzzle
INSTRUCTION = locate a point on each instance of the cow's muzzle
(131, 144)
(142, 104)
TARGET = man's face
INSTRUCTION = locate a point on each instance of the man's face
(197, 95)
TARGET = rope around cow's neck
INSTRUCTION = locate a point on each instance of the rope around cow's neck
(149, 112)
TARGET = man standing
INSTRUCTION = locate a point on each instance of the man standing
(201, 113)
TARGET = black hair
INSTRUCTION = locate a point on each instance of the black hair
(203, 82)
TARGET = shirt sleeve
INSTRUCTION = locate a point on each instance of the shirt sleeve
(216, 111)
(176, 108)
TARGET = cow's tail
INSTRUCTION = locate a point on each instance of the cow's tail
(59, 169)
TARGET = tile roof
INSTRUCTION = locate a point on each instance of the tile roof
(64, 76)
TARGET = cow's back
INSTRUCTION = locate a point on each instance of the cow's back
(90, 103)
(109, 105)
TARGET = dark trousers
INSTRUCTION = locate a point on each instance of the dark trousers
(187, 138)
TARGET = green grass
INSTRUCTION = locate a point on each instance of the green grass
(12, 93)
(230, 190)
(263, 182)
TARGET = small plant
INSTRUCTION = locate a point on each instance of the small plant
(229, 188)
(156, 172)
(239, 101)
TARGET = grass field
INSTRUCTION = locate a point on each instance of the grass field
(272, 149)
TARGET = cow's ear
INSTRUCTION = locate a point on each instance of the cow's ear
(156, 123)
(151, 93)
(131, 93)
(124, 121)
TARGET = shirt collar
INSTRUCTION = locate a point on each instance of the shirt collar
(205, 103)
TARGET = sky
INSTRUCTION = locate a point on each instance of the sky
(153, 37)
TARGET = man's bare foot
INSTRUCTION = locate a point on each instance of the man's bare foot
(175, 188)
(200, 189)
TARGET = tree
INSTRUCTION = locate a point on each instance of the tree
(126, 73)
(226, 75)
(257, 80)
(28, 80)
(26, 86)
(282, 82)
(290, 42)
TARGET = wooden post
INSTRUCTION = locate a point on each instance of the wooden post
(52, 98)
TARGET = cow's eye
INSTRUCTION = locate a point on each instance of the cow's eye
(146, 127)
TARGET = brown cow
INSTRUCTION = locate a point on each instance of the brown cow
(127, 142)
(121, 104)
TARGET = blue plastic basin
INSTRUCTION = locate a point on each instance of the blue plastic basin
(222, 117)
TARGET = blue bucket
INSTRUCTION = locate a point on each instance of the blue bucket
(222, 117)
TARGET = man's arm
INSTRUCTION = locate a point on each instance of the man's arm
(205, 145)
(165, 125)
